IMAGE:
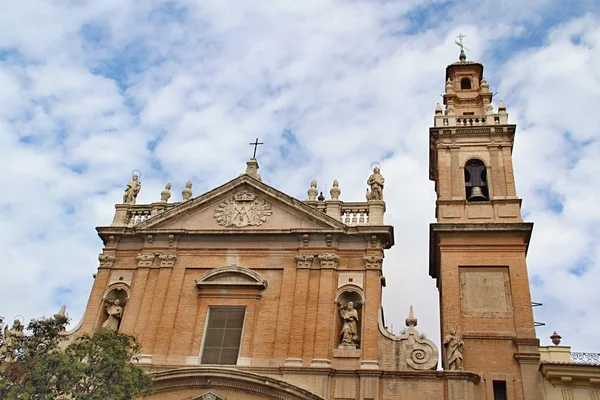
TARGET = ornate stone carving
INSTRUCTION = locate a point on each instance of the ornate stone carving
(372, 261)
(132, 190)
(107, 260)
(166, 194)
(243, 209)
(454, 351)
(167, 259)
(329, 260)
(145, 259)
(376, 182)
(186, 193)
(209, 396)
(421, 353)
(329, 240)
(304, 260)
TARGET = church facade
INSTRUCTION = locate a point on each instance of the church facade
(245, 292)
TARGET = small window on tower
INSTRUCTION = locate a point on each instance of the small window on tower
(465, 83)
(476, 181)
(223, 335)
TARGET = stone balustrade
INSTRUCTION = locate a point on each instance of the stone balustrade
(471, 120)
(138, 213)
(355, 213)
(350, 213)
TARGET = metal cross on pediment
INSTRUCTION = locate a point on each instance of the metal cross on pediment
(255, 144)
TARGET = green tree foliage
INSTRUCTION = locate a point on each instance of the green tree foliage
(96, 367)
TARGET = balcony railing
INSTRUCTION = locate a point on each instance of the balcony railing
(585, 358)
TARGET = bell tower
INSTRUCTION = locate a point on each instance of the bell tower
(479, 243)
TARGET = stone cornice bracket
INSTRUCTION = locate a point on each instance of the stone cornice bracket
(167, 259)
(329, 260)
(107, 260)
(373, 261)
(146, 259)
(304, 260)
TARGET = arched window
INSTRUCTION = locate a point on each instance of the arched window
(465, 83)
(476, 186)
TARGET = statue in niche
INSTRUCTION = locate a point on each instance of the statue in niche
(454, 350)
(376, 182)
(12, 337)
(114, 308)
(133, 188)
(349, 317)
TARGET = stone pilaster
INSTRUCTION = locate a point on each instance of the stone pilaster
(107, 260)
(167, 259)
(304, 260)
(146, 259)
(329, 260)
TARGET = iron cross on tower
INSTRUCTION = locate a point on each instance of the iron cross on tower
(255, 144)
(460, 44)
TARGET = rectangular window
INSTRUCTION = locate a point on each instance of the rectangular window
(500, 390)
(223, 335)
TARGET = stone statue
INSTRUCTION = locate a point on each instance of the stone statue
(187, 192)
(12, 337)
(335, 191)
(349, 317)
(454, 351)
(133, 188)
(166, 194)
(115, 313)
(376, 182)
(312, 191)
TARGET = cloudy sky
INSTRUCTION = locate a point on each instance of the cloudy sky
(91, 90)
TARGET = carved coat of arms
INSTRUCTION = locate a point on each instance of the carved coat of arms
(243, 209)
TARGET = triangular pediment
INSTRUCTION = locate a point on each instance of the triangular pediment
(243, 203)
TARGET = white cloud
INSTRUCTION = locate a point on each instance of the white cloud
(178, 94)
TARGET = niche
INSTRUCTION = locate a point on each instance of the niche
(348, 326)
(113, 306)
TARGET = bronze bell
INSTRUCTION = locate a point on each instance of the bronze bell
(477, 194)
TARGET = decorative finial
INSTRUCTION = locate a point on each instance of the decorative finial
(321, 197)
(312, 191)
(501, 107)
(61, 315)
(411, 321)
(438, 109)
(335, 190)
(166, 193)
(186, 193)
(462, 57)
(555, 338)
